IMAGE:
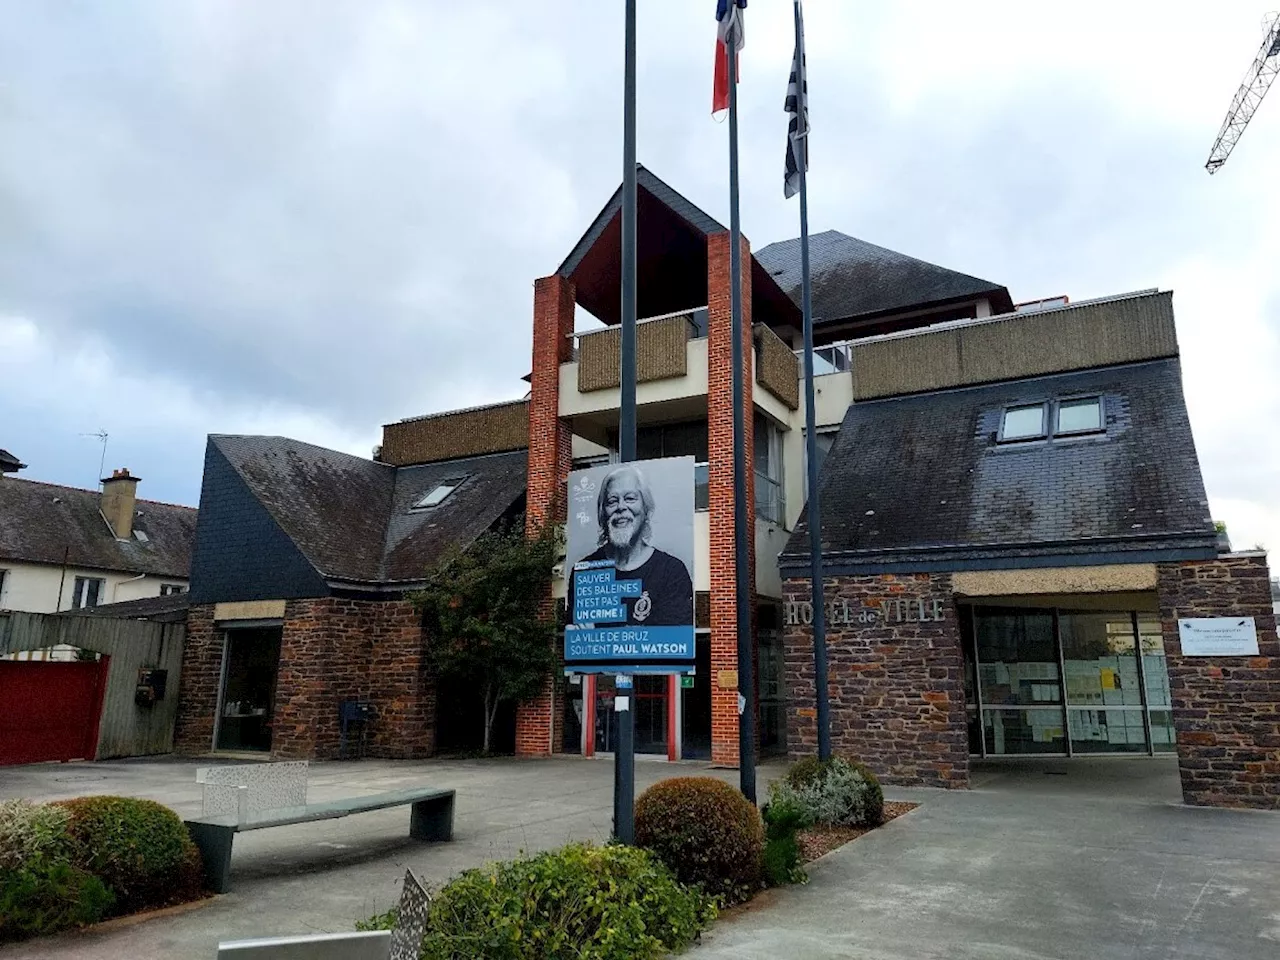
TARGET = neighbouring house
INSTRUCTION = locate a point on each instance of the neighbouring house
(64, 548)
(9, 463)
(1014, 527)
(304, 562)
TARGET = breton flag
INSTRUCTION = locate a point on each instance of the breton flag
(729, 20)
(798, 128)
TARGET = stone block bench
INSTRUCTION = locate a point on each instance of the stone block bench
(430, 812)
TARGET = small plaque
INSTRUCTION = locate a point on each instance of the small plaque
(727, 679)
(1218, 637)
(809, 713)
(686, 682)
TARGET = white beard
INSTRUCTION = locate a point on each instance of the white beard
(625, 537)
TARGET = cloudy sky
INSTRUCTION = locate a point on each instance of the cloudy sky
(310, 218)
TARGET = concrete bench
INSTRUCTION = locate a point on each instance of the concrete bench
(430, 818)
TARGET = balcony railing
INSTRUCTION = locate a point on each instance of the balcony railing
(660, 350)
(833, 358)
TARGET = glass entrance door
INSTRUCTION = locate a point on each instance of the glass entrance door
(1055, 682)
(648, 700)
(250, 660)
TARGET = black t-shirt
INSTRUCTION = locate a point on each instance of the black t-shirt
(667, 597)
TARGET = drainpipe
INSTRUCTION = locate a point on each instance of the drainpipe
(116, 589)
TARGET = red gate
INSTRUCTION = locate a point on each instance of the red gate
(50, 711)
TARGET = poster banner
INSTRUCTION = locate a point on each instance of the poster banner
(629, 563)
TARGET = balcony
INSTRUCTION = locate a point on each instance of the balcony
(660, 350)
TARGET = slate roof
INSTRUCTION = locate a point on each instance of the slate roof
(45, 523)
(352, 518)
(9, 463)
(170, 609)
(920, 483)
(852, 278)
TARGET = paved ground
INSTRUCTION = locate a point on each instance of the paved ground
(322, 877)
(1093, 859)
(1096, 859)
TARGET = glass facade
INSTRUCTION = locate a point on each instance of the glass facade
(1063, 682)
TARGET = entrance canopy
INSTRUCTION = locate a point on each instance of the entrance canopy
(671, 260)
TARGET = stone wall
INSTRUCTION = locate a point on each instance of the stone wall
(1226, 710)
(331, 650)
(896, 682)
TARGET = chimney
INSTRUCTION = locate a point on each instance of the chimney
(119, 497)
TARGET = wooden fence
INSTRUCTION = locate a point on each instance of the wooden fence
(126, 729)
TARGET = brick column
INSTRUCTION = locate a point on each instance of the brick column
(198, 683)
(724, 622)
(1226, 710)
(550, 458)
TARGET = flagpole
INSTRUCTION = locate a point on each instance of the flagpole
(746, 667)
(811, 437)
(624, 760)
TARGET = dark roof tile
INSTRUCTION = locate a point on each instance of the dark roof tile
(852, 278)
(47, 523)
(919, 476)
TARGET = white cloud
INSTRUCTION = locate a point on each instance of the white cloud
(313, 217)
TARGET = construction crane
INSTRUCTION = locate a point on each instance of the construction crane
(1266, 65)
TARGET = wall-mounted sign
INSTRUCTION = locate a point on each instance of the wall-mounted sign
(1218, 637)
(841, 613)
(629, 553)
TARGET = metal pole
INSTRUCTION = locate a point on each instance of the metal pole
(624, 759)
(743, 586)
(811, 437)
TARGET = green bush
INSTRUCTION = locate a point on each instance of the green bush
(31, 833)
(139, 848)
(782, 820)
(835, 792)
(706, 831)
(44, 897)
(586, 902)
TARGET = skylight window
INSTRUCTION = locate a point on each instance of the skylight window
(1023, 422)
(437, 494)
(1082, 415)
(141, 535)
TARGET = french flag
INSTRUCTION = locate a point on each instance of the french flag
(729, 30)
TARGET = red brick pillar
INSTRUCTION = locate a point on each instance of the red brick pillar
(1226, 710)
(724, 618)
(550, 458)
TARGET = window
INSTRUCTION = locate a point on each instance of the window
(87, 593)
(141, 536)
(770, 502)
(169, 589)
(1023, 423)
(437, 494)
(1081, 415)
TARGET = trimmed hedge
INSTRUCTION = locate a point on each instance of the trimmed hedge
(45, 897)
(782, 820)
(139, 848)
(837, 792)
(586, 902)
(707, 832)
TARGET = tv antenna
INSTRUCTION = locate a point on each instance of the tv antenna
(102, 436)
(1262, 72)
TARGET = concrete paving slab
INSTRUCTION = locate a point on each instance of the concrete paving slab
(1098, 862)
(322, 877)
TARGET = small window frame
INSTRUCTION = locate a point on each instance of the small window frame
(1024, 438)
(452, 483)
(1087, 431)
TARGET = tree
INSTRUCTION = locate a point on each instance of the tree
(484, 611)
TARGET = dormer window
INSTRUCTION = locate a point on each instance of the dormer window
(439, 493)
(1079, 415)
(1024, 422)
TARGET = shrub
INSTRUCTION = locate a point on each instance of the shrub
(31, 833)
(592, 903)
(706, 831)
(782, 819)
(836, 792)
(45, 896)
(139, 848)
